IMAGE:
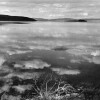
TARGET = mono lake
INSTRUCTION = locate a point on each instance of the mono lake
(66, 49)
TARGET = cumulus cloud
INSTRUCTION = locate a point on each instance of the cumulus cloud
(2, 60)
(95, 53)
(22, 88)
(62, 34)
(96, 59)
(61, 58)
(83, 51)
(62, 71)
(36, 64)
(93, 59)
(25, 75)
(57, 9)
(39, 47)
(78, 51)
(39, 10)
(75, 60)
(14, 51)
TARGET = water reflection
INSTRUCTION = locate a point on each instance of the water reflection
(64, 48)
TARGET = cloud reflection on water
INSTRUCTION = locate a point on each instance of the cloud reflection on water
(61, 71)
(39, 38)
(48, 35)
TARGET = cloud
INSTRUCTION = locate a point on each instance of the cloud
(83, 51)
(39, 47)
(95, 53)
(34, 1)
(62, 34)
(22, 88)
(36, 64)
(12, 50)
(2, 60)
(3, 37)
(45, 10)
(49, 8)
(25, 75)
(96, 59)
(45, 39)
(62, 71)
(93, 59)
(61, 58)
(33, 64)
(75, 60)
(79, 51)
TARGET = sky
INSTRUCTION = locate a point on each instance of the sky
(44, 1)
(35, 1)
(51, 8)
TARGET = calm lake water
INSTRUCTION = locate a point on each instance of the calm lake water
(69, 49)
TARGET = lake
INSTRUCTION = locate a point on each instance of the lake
(66, 49)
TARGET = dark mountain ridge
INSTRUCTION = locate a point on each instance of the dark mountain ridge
(15, 18)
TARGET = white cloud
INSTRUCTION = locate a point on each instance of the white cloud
(2, 60)
(61, 58)
(35, 64)
(62, 71)
(95, 53)
(3, 3)
(22, 88)
(83, 50)
(25, 75)
(75, 60)
(59, 8)
(39, 47)
(94, 59)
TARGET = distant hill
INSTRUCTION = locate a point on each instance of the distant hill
(94, 20)
(15, 18)
(69, 20)
(62, 20)
(23, 18)
(60, 48)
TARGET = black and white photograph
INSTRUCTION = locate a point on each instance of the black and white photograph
(49, 49)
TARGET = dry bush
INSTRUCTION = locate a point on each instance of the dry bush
(54, 89)
(47, 87)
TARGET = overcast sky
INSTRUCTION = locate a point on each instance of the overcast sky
(43, 1)
(51, 8)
